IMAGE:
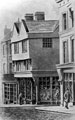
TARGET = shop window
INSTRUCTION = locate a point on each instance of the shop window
(28, 89)
(48, 87)
(65, 51)
(47, 42)
(16, 48)
(64, 17)
(10, 93)
(24, 46)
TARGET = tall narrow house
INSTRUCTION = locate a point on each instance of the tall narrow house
(35, 53)
(31, 54)
(66, 68)
(8, 84)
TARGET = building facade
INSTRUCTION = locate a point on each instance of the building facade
(8, 83)
(34, 55)
(66, 68)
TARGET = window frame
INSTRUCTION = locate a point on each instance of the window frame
(63, 20)
(72, 50)
(65, 51)
(16, 47)
(24, 46)
(3, 49)
(47, 42)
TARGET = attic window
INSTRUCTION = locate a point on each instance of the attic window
(47, 42)
(17, 25)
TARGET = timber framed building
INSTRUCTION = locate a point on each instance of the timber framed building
(35, 53)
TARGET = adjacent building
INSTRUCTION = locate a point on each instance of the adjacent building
(34, 53)
(7, 79)
(66, 68)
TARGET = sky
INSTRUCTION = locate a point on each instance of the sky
(11, 10)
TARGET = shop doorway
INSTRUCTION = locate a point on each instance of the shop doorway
(68, 83)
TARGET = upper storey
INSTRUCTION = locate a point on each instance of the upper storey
(29, 28)
(66, 15)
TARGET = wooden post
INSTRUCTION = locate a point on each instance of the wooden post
(31, 92)
(36, 80)
(61, 93)
(51, 88)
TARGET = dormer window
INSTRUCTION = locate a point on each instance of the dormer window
(18, 27)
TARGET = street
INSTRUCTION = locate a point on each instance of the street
(24, 113)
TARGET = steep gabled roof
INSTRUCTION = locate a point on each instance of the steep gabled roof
(35, 29)
(40, 26)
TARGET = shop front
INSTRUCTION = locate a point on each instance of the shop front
(67, 80)
(49, 90)
(10, 92)
(27, 88)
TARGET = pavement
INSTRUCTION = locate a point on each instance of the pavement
(43, 107)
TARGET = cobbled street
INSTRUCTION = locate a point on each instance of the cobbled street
(22, 113)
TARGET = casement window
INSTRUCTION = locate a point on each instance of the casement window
(65, 51)
(47, 42)
(16, 48)
(64, 25)
(71, 15)
(28, 64)
(17, 66)
(72, 50)
(24, 46)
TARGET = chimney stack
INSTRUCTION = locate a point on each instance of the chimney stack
(29, 17)
(39, 16)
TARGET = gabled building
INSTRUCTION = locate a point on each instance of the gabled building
(7, 80)
(66, 68)
(35, 53)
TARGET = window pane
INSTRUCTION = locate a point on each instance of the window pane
(16, 48)
(47, 42)
(24, 46)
